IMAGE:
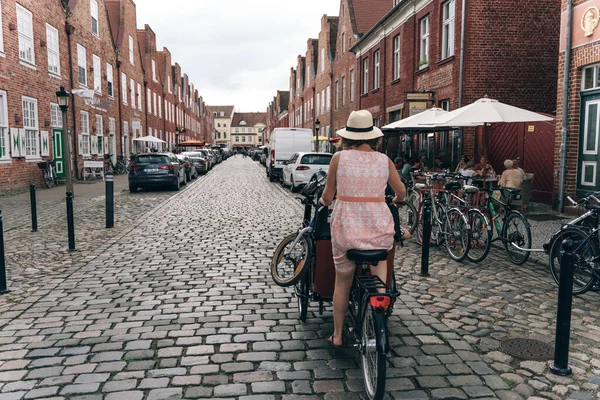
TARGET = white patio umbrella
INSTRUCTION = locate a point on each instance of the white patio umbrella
(485, 111)
(150, 139)
(416, 121)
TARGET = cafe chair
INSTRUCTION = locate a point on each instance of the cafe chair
(525, 202)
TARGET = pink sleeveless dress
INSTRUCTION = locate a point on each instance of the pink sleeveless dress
(361, 219)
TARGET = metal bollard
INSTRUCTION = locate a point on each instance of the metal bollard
(33, 208)
(110, 200)
(70, 221)
(3, 288)
(426, 237)
(563, 314)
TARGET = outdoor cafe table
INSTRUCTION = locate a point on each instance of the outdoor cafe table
(489, 182)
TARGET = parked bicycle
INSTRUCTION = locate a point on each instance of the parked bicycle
(302, 258)
(120, 168)
(583, 231)
(449, 225)
(48, 173)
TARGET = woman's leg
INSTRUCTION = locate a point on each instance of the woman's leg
(341, 295)
(381, 271)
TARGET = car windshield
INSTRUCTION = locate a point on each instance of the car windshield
(152, 159)
(194, 155)
(320, 159)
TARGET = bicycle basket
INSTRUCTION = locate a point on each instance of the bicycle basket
(42, 165)
(317, 180)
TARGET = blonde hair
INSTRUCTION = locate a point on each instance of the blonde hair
(508, 164)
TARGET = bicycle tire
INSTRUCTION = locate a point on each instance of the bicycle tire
(583, 278)
(300, 263)
(413, 198)
(48, 181)
(481, 236)
(521, 237)
(408, 217)
(373, 358)
(457, 236)
(435, 230)
(302, 293)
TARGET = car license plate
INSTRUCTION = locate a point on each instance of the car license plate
(151, 170)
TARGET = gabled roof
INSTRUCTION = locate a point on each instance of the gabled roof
(284, 99)
(366, 13)
(251, 119)
(334, 23)
(227, 110)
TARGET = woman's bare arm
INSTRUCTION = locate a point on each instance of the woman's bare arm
(331, 184)
(396, 183)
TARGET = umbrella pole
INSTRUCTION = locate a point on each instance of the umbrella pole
(485, 140)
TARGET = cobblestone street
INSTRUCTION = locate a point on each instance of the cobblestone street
(177, 302)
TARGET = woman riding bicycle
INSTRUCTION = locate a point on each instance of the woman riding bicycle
(361, 219)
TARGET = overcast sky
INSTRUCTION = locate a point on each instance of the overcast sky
(236, 52)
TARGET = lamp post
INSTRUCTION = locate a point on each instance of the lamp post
(317, 127)
(62, 97)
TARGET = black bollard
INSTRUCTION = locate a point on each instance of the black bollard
(3, 288)
(426, 237)
(563, 314)
(33, 208)
(70, 221)
(110, 200)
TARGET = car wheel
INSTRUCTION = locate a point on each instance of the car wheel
(133, 188)
(177, 185)
(188, 177)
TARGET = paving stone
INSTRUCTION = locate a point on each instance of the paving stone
(153, 383)
(120, 386)
(237, 389)
(198, 392)
(302, 387)
(410, 395)
(129, 395)
(258, 376)
(431, 382)
(448, 394)
(464, 380)
(165, 394)
(268, 387)
(478, 391)
(41, 392)
(82, 388)
(12, 395)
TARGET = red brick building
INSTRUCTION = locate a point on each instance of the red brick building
(296, 108)
(310, 74)
(34, 63)
(577, 121)
(166, 77)
(130, 74)
(417, 49)
(277, 115)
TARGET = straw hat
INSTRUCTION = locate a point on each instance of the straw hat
(360, 127)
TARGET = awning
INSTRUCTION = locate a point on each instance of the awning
(190, 143)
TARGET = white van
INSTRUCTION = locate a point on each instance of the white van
(284, 143)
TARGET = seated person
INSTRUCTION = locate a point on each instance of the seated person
(516, 166)
(469, 170)
(411, 170)
(462, 164)
(511, 178)
(484, 168)
(439, 164)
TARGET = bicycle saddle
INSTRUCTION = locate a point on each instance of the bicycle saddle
(592, 207)
(367, 255)
(471, 189)
(420, 186)
(452, 186)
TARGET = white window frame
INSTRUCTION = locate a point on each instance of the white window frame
(149, 96)
(100, 133)
(594, 71)
(352, 94)
(583, 165)
(4, 128)
(154, 71)
(94, 16)
(55, 116)
(585, 136)
(343, 43)
(84, 126)
(424, 42)
(110, 78)
(124, 95)
(139, 96)
(159, 107)
(154, 104)
(337, 94)
(365, 88)
(31, 126)
(132, 89)
(448, 14)
(322, 60)
(53, 46)
(169, 83)
(376, 69)
(343, 90)
(97, 74)
(81, 65)
(396, 58)
(26, 36)
(131, 53)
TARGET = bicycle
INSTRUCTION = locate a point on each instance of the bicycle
(449, 225)
(120, 168)
(583, 231)
(48, 173)
(371, 300)
(515, 231)
(91, 173)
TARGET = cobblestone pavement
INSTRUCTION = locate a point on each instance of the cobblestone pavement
(177, 302)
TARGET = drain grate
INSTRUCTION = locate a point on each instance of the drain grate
(528, 349)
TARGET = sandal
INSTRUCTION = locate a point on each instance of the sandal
(335, 346)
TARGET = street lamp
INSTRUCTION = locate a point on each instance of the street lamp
(62, 97)
(317, 127)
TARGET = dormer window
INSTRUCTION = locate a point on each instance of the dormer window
(243, 123)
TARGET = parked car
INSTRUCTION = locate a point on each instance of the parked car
(190, 167)
(156, 170)
(302, 166)
(264, 155)
(284, 143)
(199, 160)
(218, 156)
(209, 156)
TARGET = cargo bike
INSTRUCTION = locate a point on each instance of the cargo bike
(304, 260)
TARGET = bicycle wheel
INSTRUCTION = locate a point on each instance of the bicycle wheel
(517, 231)
(457, 234)
(302, 293)
(289, 264)
(481, 236)
(373, 359)
(413, 198)
(408, 217)
(585, 255)
(435, 229)
(48, 179)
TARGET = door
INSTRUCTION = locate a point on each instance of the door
(113, 149)
(587, 168)
(59, 156)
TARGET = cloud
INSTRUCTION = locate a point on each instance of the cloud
(235, 51)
